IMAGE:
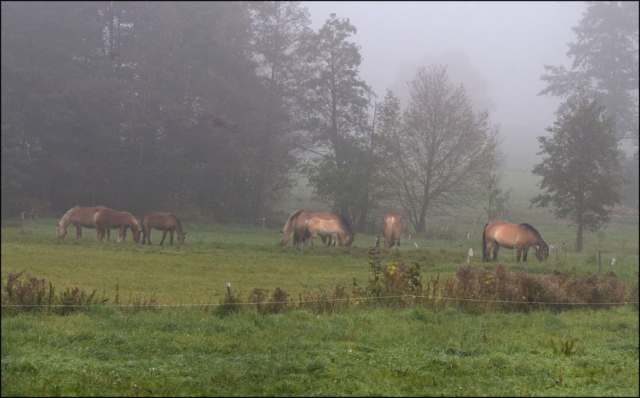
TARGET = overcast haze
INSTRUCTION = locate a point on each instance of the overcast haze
(496, 49)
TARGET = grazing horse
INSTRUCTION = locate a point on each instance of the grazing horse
(512, 236)
(165, 222)
(392, 229)
(108, 218)
(296, 224)
(80, 217)
(325, 228)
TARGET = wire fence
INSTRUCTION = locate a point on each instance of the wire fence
(327, 300)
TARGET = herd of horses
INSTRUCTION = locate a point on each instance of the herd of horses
(103, 219)
(305, 225)
(331, 226)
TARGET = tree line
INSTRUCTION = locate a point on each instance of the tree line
(213, 108)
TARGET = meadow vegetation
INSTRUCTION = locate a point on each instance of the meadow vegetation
(140, 320)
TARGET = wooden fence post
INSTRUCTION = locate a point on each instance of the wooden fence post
(599, 262)
(229, 289)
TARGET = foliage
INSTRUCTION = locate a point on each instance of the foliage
(334, 117)
(137, 105)
(30, 295)
(432, 165)
(580, 169)
(605, 59)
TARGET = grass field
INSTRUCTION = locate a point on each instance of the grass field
(192, 350)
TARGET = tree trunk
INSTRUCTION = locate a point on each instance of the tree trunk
(579, 238)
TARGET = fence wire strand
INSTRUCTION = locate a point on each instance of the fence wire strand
(319, 301)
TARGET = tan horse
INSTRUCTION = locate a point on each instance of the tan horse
(165, 222)
(512, 236)
(392, 229)
(79, 216)
(296, 224)
(326, 229)
(108, 218)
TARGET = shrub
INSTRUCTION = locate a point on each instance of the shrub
(30, 295)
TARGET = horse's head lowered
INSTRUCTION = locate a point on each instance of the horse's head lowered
(62, 231)
(181, 238)
(136, 235)
(541, 251)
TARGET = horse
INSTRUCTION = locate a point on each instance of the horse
(296, 224)
(79, 216)
(512, 236)
(392, 229)
(327, 229)
(165, 222)
(108, 218)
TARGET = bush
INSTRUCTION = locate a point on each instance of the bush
(30, 295)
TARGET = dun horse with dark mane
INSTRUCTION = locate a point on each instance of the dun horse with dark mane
(326, 229)
(79, 216)
(512, 236)
(392, 229)
(108, 218)
(165, 222)
(296, 224)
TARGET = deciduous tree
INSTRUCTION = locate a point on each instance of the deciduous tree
(580, 169)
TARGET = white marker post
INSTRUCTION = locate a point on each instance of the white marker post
(613, 261)
(470, 254)
(415, 244)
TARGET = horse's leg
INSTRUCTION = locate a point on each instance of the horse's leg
(79, 228)
(108, 230)
(519, 251)
(171, 237)
(486, 250)
(496, 247)
(525, 251)
(164, 235)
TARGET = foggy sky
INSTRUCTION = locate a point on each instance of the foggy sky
(500, 47)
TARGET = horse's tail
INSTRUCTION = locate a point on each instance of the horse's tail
(292, 223)
(485, 254)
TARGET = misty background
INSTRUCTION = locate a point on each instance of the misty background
(247, 111)
(496, 49)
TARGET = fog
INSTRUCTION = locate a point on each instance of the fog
(496, 49)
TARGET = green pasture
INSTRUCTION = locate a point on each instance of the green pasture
(380, 352)
(251, 257)
(191, 350)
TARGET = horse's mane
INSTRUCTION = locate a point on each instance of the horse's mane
(68, 213)
(179, 224)
(291, 220)
(344, 223)
(535, 231)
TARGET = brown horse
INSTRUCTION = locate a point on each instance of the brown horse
(165, 222)
(392, 229)
(296, 224)
(326, 229)
(80, 217)
(512, 236)
(108, 218)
